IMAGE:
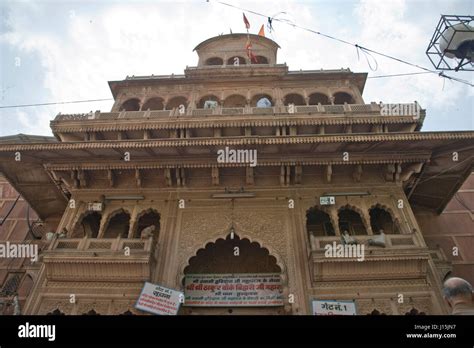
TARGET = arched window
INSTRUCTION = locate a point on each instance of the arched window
(210, 99)
(261, 60)
(261, 101)
(235, 101)
(130, 105)
(214, 61)
(318, 98)
(343, 97)
(148, 220)
(318, 223)
(294, 98)
(118, 225)
(233, 60)
(176, 102)
(88, 226)
(380, 219)
(350, 221)
(153, 104)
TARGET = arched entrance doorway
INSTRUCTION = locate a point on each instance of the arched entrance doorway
(235, 276)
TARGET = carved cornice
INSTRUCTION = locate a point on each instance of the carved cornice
(236, 141)
(212, 122)
(211, 162)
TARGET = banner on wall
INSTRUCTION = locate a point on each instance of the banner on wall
(233, 290)
(157, 299)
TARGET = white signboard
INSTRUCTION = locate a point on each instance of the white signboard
(327, 200)
(95, 206)
(233, 290)
(159, 300)
(327, 307)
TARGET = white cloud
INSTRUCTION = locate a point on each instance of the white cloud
(147, 38)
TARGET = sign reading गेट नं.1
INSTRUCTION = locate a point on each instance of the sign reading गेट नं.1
(233, 290)
(157, 299)
(328, 307)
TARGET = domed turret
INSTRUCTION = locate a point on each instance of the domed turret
(232, 49)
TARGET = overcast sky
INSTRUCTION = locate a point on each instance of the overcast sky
(53, 51)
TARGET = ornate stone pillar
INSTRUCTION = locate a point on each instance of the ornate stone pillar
(334, 219)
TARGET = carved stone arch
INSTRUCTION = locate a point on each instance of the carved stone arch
(324, 209)
(214, 60)
(295, 98)
(137, 219)
(395, 219)
(256, 96)
(234, 100)
(241, 60)
(131, 104)
(340, 96)
(242, 235)
(202, 99)
(317, 96)
(79, 219)
(174, 101)
(32, 274)
(153, 103)
(359, 211)
(106, 219)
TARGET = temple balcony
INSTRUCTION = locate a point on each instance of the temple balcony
(346, 110)
(94, 259)
(404, 256)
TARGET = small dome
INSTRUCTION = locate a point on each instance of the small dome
(231, 49)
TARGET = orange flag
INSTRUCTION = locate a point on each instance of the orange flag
(262, 31)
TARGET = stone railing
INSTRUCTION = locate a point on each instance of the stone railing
(403, 256)
(372, 109)
(392, 241)
(101, 244)
(223, 66)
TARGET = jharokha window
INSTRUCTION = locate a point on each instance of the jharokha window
(318, 223)
(350, 221)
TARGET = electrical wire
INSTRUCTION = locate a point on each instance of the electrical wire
(357, 46)
(54, 103)
(11, 209)
(397, 75)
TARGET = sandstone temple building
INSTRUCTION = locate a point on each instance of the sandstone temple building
(116, 199)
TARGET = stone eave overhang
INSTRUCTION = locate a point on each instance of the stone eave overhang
(251, 140)
(72, 126)
(263, 161)
(32, 178)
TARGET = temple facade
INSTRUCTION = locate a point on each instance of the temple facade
(241, 167)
